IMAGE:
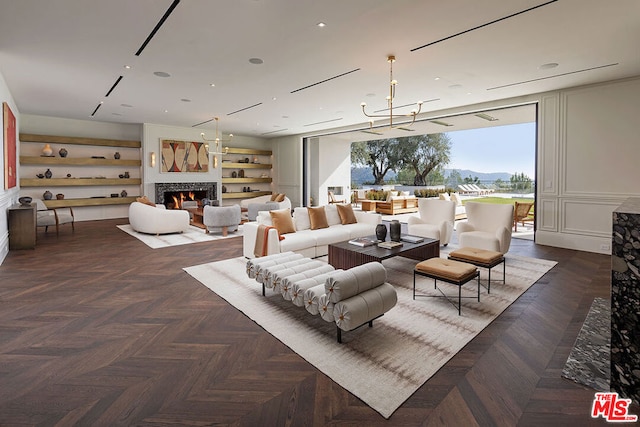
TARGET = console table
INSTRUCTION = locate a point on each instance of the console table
(22, 227)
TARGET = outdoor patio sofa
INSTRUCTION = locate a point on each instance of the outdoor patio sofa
(397, 205)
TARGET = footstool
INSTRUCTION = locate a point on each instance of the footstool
(450, 271)
(480, 258)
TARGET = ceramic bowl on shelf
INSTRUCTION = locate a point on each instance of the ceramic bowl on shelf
(25, 200)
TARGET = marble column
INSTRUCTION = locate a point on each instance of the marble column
(625, 300)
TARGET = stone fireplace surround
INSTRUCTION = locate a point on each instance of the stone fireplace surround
(209, 187)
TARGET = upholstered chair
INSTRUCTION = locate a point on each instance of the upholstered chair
(157, 219)
(488, 226)
(254, 208)
(55, 217)
(435, 220)
(221, 218)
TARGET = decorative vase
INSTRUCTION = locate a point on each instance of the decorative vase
(47, 151)
(126, 175)
(241, 173)
(59, 196)
(224, 189)
(63, 152)
(123, 193)
(47, 195)
(394, 230)
(48, 173)
(116, 155)
(25, 200)
(381, 232)
(234, 174)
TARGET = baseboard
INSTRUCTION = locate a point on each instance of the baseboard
(599, 245)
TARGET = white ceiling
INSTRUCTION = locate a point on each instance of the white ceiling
(60, 57)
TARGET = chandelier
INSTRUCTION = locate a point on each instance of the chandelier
(392, 93)
(217, 141)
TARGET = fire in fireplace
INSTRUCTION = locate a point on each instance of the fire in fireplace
(174, 194)
(175, 199)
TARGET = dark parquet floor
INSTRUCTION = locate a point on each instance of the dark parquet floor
(97, 329)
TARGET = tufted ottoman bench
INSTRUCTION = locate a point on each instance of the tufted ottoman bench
(481, 258)
(449, 271)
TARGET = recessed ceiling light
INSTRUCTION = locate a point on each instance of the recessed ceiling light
(285, 117)
(212, 84)
(126, 105)
(256, 61)
(274, 98)
(166, 111)
(127, 67)
(321, 24)
(370, 95)
(455, 86)
(161, 74)
(185, 100)
(548, 66)
(436, 78)
(116, 114)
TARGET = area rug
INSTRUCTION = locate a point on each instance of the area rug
(386, 364)
(589, 360)
(192, 235)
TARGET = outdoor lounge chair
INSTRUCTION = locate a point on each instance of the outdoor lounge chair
(522, 213)
(332, 198)
(466, 190)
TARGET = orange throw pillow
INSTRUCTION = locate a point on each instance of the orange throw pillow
(346, 214)
(273, 197)
(318, 217)
(280, 198)
(145, 200)
(282, 221)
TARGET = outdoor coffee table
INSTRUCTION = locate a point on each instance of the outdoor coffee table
(344, 255)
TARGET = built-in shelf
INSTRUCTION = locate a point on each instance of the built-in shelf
(76, 182)
(90, 201)
(77, 161)
(250, 153)
(245, 180)
(230, 165)
(235, 150)
(244, 195)
(52, 139)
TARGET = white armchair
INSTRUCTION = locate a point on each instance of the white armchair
(55, 217)
(435, 220)
(488, 226)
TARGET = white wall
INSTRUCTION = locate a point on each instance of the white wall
(287, 167)
(588, 162)
(7, 197)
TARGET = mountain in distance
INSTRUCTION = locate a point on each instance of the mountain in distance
(361, 175)
(482, 176)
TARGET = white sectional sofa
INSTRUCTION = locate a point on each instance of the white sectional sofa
(305, 241)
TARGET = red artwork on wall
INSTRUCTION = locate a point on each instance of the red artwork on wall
(9, 121)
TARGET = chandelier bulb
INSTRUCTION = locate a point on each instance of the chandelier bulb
(363, 104)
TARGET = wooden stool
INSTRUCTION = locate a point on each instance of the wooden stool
(481, 258)
(454, 272)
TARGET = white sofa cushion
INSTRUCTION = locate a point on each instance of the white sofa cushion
(301, 219)
(333, 218)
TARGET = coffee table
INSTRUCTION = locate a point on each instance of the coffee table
(345, 255)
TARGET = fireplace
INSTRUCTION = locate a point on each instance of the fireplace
(172, 194)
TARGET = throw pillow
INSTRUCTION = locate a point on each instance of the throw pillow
(346, 214)
(318, 218)
(332, 215)
(301, 218)
(282, 221)
(145, 200)
(280, 198)
(273, 197)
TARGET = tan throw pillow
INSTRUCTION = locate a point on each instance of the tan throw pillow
(282, 221)
(346, 214)
(273, 197)
(280, 198)
(318, 218)
(145, 200)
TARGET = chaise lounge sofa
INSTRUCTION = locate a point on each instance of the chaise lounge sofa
(304, 239)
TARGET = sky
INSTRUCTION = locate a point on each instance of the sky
(508, 148)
